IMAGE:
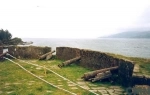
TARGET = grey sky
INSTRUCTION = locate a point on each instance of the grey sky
(144, 20)
(72, 18)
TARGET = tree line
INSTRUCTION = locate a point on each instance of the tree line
(6, 38)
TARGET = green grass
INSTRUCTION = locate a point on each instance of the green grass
(15, 81)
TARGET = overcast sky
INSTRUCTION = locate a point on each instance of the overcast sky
(72, 18)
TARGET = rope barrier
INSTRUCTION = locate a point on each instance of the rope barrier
(54, 73)
(39, 77)
(63, 77)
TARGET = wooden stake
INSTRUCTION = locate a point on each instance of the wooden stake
(45, 71)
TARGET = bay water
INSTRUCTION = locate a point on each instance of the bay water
(127, 47)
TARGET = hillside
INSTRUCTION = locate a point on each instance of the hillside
(133, 34)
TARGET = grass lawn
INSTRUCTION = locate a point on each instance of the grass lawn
(15, 81)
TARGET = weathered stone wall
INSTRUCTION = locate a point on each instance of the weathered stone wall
(11, 50)
(66, 53)
(97, 60)
(1, 50)
(29, 52)
(125, 72)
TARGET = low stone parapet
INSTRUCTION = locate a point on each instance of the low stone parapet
(29, 52)
(96, 60)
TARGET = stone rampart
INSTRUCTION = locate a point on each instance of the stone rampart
(95, 60)
(66, 53)
(28, 52)
(1, 49)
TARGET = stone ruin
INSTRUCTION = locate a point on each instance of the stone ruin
(26, 52)
(93, 60)
(96, 60)
(1, 50)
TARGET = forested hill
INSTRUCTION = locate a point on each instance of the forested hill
(135, 34)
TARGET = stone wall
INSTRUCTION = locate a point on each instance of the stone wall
(66, 53)
(95, 60)
(29, 52)
(125, 72)
(1, 50)
(138, 79)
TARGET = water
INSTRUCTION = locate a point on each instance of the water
(126, 47)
